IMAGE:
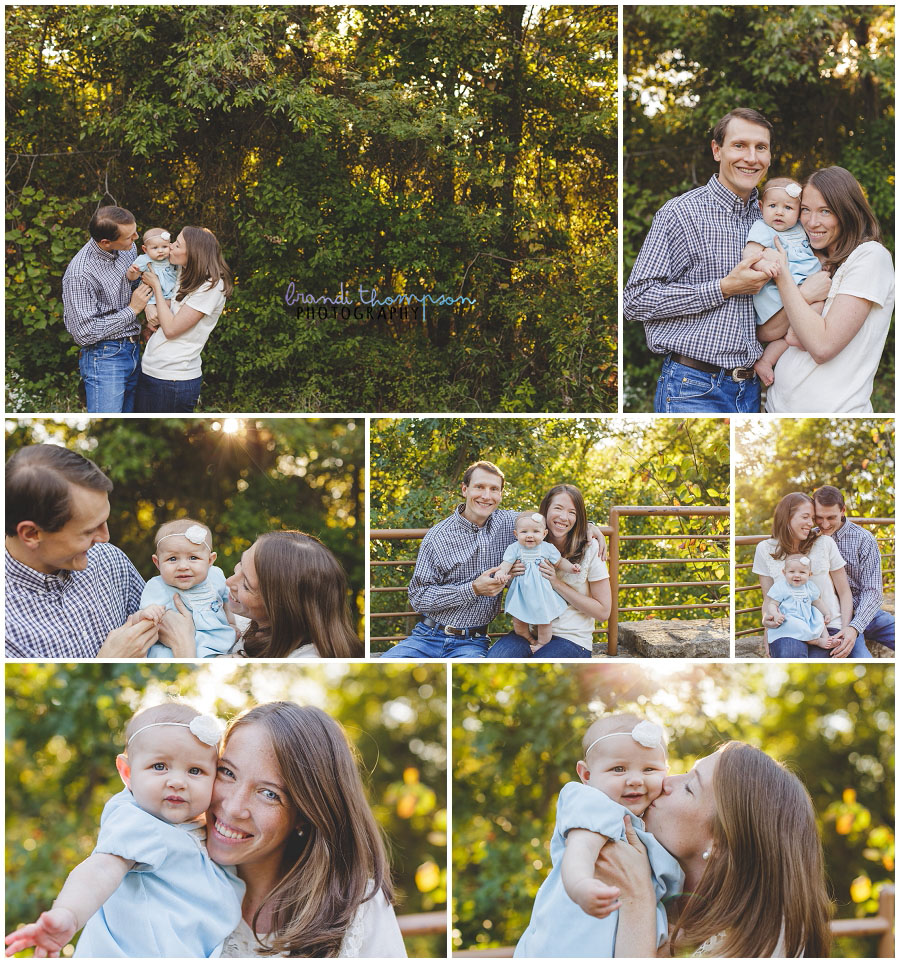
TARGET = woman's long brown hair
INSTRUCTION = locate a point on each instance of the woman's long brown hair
(340, 860)
(781, 527)
(204, 263)
(764, 882)
(304, 591)
(843, 195)
(576, 538)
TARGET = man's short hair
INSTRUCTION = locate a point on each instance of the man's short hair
(484, 466)
(740, 113)
(828, 495)
(106, 221)
(38, 479)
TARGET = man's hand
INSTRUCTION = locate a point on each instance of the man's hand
(131, 641)
(485, 584)
(843, 642)
(140, 297)
(746, 278)
(603, 549)
(48, 935)
(177, 630)
(595, 898)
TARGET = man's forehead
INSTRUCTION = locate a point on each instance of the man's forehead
(740, 129)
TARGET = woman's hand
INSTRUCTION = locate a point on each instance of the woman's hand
(816, 287)
(177, 630)
(549, 573)
(150, 277)
(626, 866)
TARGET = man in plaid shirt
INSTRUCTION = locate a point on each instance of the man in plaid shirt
(69, 594)
(860, 551)
(101, 303)
(692, 289)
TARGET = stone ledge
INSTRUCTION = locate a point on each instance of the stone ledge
(673, 639)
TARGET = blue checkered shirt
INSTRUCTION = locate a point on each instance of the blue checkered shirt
(695, 240)
(859, 549)
(69, 614)
(452, 555)
(96, 294)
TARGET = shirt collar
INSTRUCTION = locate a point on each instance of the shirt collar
(728, 199)
(468, 526)
(31, 578)
(98, 251)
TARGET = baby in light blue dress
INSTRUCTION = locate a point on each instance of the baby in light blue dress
(780, 206)
(149, 889)
(621, 774)
(184, 559)
(795, 605)
(155, 245)
(530, 599)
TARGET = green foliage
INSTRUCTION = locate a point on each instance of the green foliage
(802, 454)
(824, 76)
(452, 150)
(267, 474)
(517, 737)
(64, 724)
(416, 466)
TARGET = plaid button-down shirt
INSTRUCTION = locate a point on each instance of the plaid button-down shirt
(69, 614)
(96, 294)
(859, 550)
(695, 240)
(452, 555)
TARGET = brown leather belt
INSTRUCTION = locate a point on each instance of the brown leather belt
(474, 632)
(736, 374)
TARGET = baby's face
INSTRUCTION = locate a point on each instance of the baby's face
(156, 248)
(629, 773)
(796, 573)
(530, 533)
(181, 563)
(779, 210)
(172, 773)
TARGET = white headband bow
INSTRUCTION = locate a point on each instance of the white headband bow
(647, 734)
(205, 728)
(195, 534)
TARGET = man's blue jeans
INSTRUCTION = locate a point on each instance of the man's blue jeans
(109, 370)
(881, 629)
(513, 646)
(155, 395)
(681, 389)
(430, 643)
(795, 649)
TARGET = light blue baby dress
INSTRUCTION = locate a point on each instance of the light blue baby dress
(206, 601)
(175, 902)
(801, 261)
(795, 602)
(167, 274)
(559, 927)
(530, 597)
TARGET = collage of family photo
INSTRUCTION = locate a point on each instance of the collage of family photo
(450, 481)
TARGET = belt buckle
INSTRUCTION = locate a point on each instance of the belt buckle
(452, 630)
(736, 376)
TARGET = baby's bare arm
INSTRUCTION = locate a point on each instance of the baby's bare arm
(582, 849)
(503, 570)
(564, 565)
(88, 887)
(823, 608)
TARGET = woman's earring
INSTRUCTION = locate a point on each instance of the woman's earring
(706, 854)
(300, 833)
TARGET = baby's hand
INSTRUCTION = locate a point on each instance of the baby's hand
(48, 935)
(501, 577)
(133, 273)
(154, 613)
(595, 898)
(777, 617)
(576, 568)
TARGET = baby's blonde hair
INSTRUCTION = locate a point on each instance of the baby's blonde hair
(178, 527)
(803, 559)
(778, 182)
(529, 514)
(609, 725)
(167, 712)
(152, 232)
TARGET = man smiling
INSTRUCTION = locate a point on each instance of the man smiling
(453, 587)
(69, 593)
(692, 289)
(860, 551)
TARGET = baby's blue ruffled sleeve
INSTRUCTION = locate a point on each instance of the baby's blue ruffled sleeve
(583, 807)
(550, 552)
(779, 590)
(129, 832)
(217, 580)
(156, 592)
(511, 553)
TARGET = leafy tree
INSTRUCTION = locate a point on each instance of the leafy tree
(417, 465)
(517, 736)
(63, 729)
(460, 151)
(824, 76)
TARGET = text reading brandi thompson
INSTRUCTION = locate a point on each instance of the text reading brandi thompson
(366, 306)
